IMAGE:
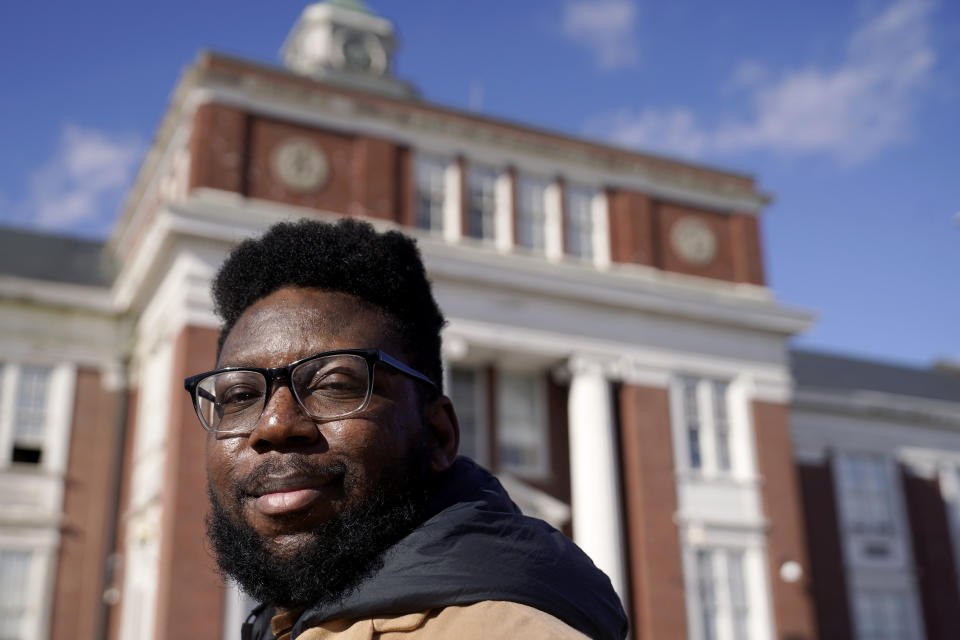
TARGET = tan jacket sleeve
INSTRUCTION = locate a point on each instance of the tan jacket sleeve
(489, 620)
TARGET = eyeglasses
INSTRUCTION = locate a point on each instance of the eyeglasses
(333, 384)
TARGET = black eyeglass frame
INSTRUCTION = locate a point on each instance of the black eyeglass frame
(371, 356)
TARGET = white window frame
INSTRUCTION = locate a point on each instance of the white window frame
(483, 189)
(58, 410)
(712, 426)
(36, 586)
(540, 427)
(432, 174)
(525, 182)
(865, 610)
(580, 226)
(755, 607)
(854, 499)
(481, 417)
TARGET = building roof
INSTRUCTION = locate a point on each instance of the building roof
(840, 373)
(43, 256)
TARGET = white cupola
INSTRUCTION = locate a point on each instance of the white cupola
(343, 42)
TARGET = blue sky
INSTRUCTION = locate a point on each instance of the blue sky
(847, 113)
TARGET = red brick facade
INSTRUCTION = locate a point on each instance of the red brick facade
(126, 473)
(828, 581)
(374, 177)
(793, 609)
(185, 558)
(934, 556)
(78, 608)
(657, 606)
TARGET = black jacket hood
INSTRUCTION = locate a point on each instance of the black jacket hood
(476, 545)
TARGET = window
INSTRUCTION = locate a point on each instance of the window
(522, 445)
(578, 221)
(431, 191)
(706, 589)
(866, 494)
(706, 421)
(30, 414)
(518, 420)
(468, 390)
(739, 611)
(481, 202)
(25, 411)
(531, 212)
(883, 615)
(14, 578)
(691, 414)
(721, 588)
(721, 423)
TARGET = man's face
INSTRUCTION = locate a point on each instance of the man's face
(285, 484)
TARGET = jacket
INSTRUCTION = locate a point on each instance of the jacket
(474, 548)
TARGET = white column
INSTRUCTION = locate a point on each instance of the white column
(553, 222)
(503, 222)
(452, 202)
(600, 237)
(595, 473)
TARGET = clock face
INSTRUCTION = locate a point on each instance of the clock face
(300, 165)
(360, 51)
(356, 53)
(693, 241)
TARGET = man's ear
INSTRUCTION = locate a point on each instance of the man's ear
(441, 420)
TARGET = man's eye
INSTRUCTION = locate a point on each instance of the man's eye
(336, 383)
(239, 397)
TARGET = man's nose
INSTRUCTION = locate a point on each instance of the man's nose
(283, 423)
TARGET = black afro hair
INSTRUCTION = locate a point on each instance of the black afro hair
(383, 269)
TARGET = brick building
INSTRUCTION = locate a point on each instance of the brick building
(613, 352)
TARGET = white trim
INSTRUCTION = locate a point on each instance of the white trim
(601, 230)
(504, 213)
(553, 224)
(59, 294)
(453, 203)
(876, 403)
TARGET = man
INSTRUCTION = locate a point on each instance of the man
(337, 498)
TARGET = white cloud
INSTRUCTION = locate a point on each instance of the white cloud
(605, 28)
(850, 112)
(80, 187)
(675, 130)
(747, 75)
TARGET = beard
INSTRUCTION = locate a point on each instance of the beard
(336, 557)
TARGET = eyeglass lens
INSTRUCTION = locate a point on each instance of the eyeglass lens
(326, 387)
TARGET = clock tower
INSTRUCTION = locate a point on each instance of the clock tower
(343, 42)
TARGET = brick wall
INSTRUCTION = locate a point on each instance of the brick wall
(640, 229)
(828, 578)
(189, 592)
(934, 557)
(126, 473)
(793, 607)
(374, 177)
(631, 227)
(218, 148)
(88, 484)
(234, 151)
(657, 607)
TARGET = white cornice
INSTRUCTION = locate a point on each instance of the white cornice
(877, 404)
(56, 294)
(614, 288)
(227, 219)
